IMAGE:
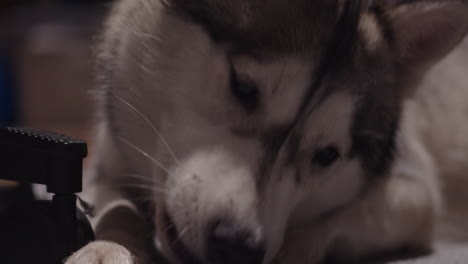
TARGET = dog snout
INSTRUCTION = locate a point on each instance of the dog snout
(229, 244)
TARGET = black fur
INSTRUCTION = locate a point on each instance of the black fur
(262, 28)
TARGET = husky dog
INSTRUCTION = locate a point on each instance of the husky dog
(251, 131)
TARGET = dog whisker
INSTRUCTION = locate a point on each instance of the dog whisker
(148, 198)
(139, 186)
(143, 178)
(145, 154)
(156, 131)
(171, 225)
(147, 36)
(181, 234)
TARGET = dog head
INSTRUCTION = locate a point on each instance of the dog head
(277, 113)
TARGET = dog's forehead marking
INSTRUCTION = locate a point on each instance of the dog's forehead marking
(256, 26)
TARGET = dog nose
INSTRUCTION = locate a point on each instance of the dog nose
(228, 244)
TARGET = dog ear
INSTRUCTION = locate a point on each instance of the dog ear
(425, 31)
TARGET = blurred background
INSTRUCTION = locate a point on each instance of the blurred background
(46, 63)
(46, 67)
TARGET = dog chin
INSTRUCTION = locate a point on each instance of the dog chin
(169, 242)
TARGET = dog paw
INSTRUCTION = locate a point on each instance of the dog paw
(101, 252)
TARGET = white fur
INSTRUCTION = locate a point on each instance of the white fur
(101, 252)
(371, 32)
(330, 123)
(212, 185)
(439, 112)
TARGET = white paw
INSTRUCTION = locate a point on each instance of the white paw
(101, 252)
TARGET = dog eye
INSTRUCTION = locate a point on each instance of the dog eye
(325, 157)
(246, 93)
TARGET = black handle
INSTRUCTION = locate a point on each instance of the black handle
(36, 156)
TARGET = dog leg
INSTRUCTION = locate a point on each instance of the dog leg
(101, 252)
(120, 223)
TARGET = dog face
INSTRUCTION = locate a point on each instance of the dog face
(270, 114)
